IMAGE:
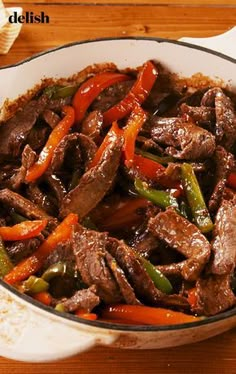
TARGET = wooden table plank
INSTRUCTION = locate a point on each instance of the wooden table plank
(135, 2)
(86, 22)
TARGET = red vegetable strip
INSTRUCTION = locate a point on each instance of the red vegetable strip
(146, 315)
(137, 95)
(91, 88)
(23, 230)
(44, 297)
(83, 314)
(231, 181)
(147, 167)
(113, 133)
(134, 124)
(57, 134)
(33, 263)
(192, 298)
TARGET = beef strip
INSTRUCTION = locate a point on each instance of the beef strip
(56, 186)
(184, 237)
(28, 157)
(62, 253)
(85, 299)
(13, 133)
(94, 184)
(22, 205)
(88, 149)
(202, 115)
(224, 164)
(38, 136)
(92, 124)
(68, 144)
(136, 274)
(214, 295)
(225, 127)
(21, 249)
(90, 251)
(194, 142)
(51, 118)
(224, 242)
(56, 105)
(40, 199)
(125, 288)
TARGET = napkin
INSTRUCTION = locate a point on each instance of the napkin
(8, 31)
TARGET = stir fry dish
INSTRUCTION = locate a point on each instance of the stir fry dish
(118, 198)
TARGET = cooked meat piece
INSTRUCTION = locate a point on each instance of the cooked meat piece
(51, 118)
(14, 132)
(125, 288)
(224, 163)
(144, 243)
(225, 128)
(22, 205)
(136, 274)
(92, 124)
(214, 295)
(62, 253)
(148, 144)
(194, 98)
(38, 136)
(184, 237)
(178, 302)
(56, 186)
(88, 148)
(56, 105)
(202, 115)
(90, 251)
(27, 159)
(111, 95)
(85, 299)
(69, 144)
(39, 198)
(194, 142)
(94, 184)
(21, 249)
(224, 242)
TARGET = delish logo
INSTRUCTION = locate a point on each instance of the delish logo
(29, 17)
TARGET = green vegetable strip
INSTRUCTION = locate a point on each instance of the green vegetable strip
(159, 279)
(57, 92)
(18, 218)
(195, 199)
(5, 262)
(151, 156)
(161, 198)
(55, 270)
(35, 285)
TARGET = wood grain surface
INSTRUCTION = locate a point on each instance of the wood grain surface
(78, 20)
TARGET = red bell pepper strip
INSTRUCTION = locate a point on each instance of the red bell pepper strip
(114, 133)
(23, 230)
(83, 314)
(33, 263)
(134, 124)
(54, 139)
(137, 95)
(146, 315)
(125, 215)
(192, 298)
(231, 181)
(43, 297)
(91, 88)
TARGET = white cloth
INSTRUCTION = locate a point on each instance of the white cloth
(8, 31)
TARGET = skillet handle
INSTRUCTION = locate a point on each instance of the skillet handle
(223, 43)
(29, 333)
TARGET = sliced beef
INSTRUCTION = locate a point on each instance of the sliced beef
(94, 184)
(184, 140)
(214, 295)
(21, 249)
(56, 186)
(85, 299)
(224, 163)
(136, 274)
(51, 118)
(92, 124)
(69, 144)
(184, 237)
(40, 199)
(28, 157)
(125, 288)
(224, 242)
(202, 115)
(56, 105)
(90, 251)
(38, 136)
(88, 149)
(14, 132)
(225, 127)
(62, 253)
(144, 243)
(22, 205)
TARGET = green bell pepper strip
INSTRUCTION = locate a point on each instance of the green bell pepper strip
(55, 270)
(195, 199)
(35, 285)
(161, 160)
(5, 262)
(18, 218)
(161, 198)
(60, 92)
(161, 282)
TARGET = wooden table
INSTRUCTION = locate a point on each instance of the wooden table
(73, 20)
